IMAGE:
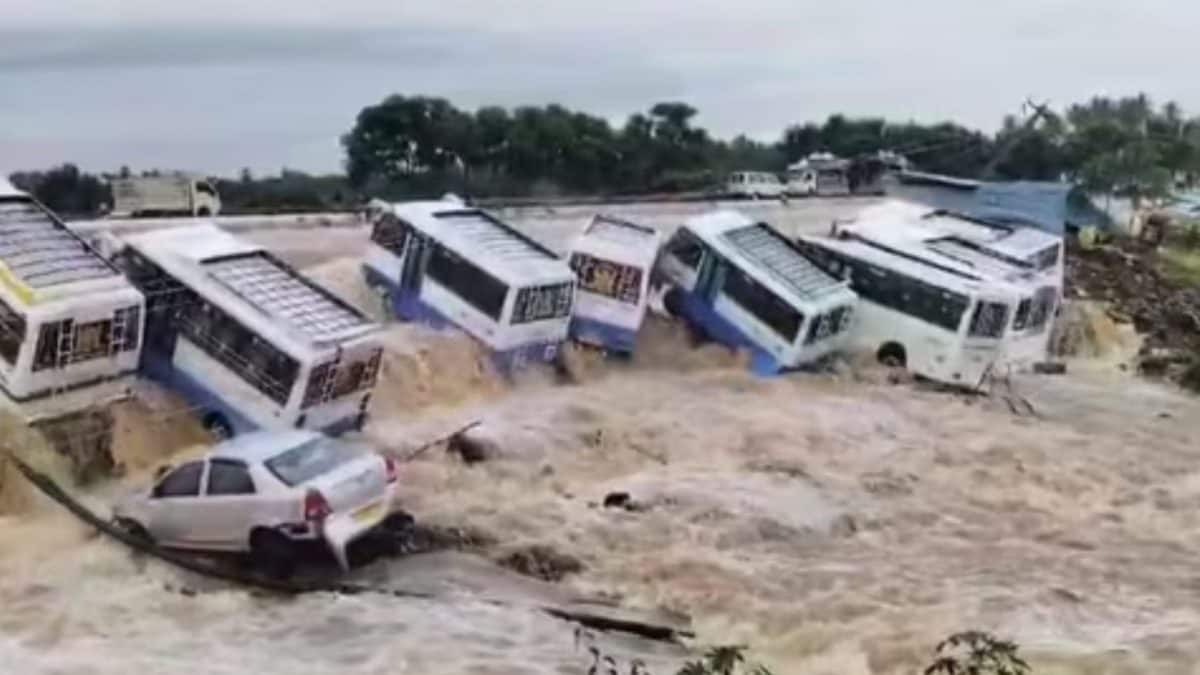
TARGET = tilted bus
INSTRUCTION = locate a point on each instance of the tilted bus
(70, 325)
(747, 286)
(250, 342)
(1025, 256)
(613, 259)
(440, 263)
(940, 320)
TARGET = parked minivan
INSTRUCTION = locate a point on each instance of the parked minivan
(754, 185)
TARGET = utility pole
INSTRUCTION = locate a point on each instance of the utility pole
(1040, 110)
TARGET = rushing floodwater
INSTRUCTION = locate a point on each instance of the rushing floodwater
(836, 524)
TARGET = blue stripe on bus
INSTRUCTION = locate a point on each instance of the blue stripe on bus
(160, 368)
(408, 306)
(601, 334)
(699, 311)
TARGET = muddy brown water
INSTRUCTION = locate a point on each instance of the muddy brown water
(835, 524)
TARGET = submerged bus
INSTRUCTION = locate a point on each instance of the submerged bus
(613, 259)
(70, 329)
(1026, 257)
(938, 320)
(441, 263)
(747, 286)
(247, 340)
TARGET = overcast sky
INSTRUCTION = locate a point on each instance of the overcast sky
(221, 84)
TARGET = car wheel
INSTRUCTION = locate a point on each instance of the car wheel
(273, 554)
(134, 529)
(219, 427)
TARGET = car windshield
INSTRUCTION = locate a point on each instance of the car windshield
(309, 460)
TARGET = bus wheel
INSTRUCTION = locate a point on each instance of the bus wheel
(217, 426)
(892, 355)
(673, 302)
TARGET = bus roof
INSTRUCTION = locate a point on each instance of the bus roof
(39, 250)
(773, 259)
(619, 241)
(898, 221)
(252, 284)
(486, 241)
(946, 276)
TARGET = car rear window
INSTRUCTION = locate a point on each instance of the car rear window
(309, 460)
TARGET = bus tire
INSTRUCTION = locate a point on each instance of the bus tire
(673, 302)
(272, 553)
(892, 355)
(219, 427)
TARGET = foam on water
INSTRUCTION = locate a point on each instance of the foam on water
(836, 526)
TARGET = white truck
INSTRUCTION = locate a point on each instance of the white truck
(164, 195)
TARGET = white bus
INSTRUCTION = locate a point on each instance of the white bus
(937, 320)
(441, 263)
(747, 286)
(247, 340)
(613, 260)
(70, 323)
(1029, 258)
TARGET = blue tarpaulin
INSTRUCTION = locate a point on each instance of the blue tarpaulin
(1045, 205)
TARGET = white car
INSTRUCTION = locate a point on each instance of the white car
(754, 185)
(267, 493)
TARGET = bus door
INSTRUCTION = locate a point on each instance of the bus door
(415, 252)
(985, 333)
(711, 277)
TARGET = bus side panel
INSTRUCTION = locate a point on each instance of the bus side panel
(404, 305)
(936, 354)
(207, 384)
(383, 263)
(771, 352)
(698, 311)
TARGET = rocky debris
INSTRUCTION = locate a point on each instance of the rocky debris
(1050, 368)
(541, 562)
(1166, 313)
(474, 445)
(622, 500)
(843, 526)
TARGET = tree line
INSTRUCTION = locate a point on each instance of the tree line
(408, 146)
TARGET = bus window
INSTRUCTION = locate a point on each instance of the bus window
(1021, 320)
(828, 325)
(762, 304)
(478, 288)
(12, 333)
(253, 359)
(603, 277)
(92, 340)
(988, 320)
(686, 248)
(542, 302)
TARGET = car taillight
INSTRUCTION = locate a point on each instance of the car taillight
(392, 471)
(315, 507)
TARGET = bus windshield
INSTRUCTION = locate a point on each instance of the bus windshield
(538, 303)
(607, 278)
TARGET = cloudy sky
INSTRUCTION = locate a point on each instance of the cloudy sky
(221, 84)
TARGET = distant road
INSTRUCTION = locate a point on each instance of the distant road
(337, 235)
(232, 223)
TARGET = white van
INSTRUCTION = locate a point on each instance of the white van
(754, 185)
